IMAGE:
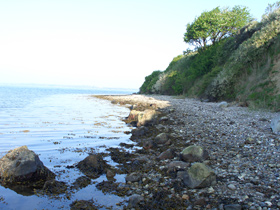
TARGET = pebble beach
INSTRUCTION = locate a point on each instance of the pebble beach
(243, 153)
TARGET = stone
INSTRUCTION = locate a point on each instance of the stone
(149, 144)
(194, 154)
(200, 202)
(233, 207)
(93, 166)
(81, 182)
(83, 204)
(110, 174)
(54, 187)
(185, 197)
(177, 165)
(223, 104)
(199, 176)
(133, 115)
(275, 125)
(168, 154)
(141, 131)
(161, 138)
(23, 166)
(134, 200)
(231, 187)
(147, 117)
(133, 177)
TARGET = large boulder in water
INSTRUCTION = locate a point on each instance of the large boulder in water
(23, 166)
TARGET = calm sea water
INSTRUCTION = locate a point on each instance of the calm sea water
(61, 125)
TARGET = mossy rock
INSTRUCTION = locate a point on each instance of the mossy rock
(194, 153)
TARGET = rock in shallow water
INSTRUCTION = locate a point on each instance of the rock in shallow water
(23, 166)
(93, 166)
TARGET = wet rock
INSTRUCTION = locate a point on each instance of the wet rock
(275, 125)
(141, 131)
(54, 187)
(194, 154)
(233, 207)
(161, 138)
(134, 200)
(23, 166)
(93, 166)
(199, 176)
(83, 205)
(110, 174)
(168, 154)
(133, 177)
(177, 165)
(149, 144)
(81, 182)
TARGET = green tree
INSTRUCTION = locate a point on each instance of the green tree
(210, 27)
(272, 7)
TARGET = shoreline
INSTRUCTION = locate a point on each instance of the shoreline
(243, 153)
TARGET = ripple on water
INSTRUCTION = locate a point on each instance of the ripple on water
(62, 130)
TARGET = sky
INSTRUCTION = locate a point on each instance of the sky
(101, 43)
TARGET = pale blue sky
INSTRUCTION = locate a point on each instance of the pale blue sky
(108, 43)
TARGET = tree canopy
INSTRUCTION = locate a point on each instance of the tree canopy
(210, 27)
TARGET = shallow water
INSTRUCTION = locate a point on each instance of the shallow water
(62, 127)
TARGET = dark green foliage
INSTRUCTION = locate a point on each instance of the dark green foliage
(149, 82)
(215, 25)
(238, 67)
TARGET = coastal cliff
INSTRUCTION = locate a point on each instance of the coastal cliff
(243, 68)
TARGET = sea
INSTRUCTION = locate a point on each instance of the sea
(62, 125)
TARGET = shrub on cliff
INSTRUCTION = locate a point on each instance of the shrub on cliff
(150, 80)
(243, 67)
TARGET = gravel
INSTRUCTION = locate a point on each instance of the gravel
(244, 152)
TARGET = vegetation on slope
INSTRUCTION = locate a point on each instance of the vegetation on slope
(243, 65)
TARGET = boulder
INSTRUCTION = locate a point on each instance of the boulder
(144, 118)
(161, 138)
(194, 154)
(134, 201)
(93, 166)
(81, 183)
(133, 177)
(223, 104)
(275, 125)
(83, 204)
(177, 165)
(168, 154)
(133, 115)
(23, 166)
(54, 187)
(141, 131)
(147, 117)
(198, 176)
